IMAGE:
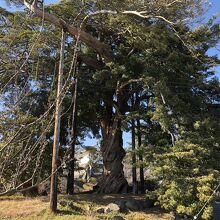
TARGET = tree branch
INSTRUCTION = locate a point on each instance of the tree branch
(131, 81)
(88, 39)
(90, 62)
(84, 37)
(136, 13)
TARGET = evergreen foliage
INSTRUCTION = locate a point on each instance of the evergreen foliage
(161, 63)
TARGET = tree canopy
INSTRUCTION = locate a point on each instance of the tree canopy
(133, 60)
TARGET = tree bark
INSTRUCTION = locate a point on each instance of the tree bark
(113, 180)
(70, 177)
(54, 177)
(134, 171)
(13, 191)
(140, 159)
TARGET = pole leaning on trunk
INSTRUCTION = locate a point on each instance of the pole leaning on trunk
(54, 176)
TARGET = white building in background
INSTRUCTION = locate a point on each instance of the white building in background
(89, 163)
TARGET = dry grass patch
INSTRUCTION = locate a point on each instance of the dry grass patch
(151, 215)
(37, 209)
(11, 209)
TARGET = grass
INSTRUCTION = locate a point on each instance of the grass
(21, 208)
(12, 208)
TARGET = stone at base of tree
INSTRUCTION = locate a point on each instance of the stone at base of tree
(122, 205)
(43, 189)
(75, 208)
(117, 218)
(37, 190)
(133, 205)
(112, 207)
(31, 192)
(100, 210)
(70, 205)
(63, 203)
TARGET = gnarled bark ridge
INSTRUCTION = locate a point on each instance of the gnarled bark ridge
(113, 180)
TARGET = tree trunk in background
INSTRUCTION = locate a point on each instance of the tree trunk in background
(134, 171)
(70, 177)
(142, 187)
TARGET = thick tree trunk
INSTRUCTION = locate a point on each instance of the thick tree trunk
(70, 177)
(113, 180)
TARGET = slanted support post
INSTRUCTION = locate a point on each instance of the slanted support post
(56, 142)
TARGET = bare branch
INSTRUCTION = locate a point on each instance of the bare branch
(141, 15)
(174, 2)
(136, 13)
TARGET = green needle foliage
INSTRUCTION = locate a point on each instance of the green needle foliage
(160, 63)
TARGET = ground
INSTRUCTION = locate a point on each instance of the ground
(20, 208)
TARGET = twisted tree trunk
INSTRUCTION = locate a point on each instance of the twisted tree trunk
(113, 180)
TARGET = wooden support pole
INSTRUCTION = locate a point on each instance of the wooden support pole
(54, 177)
